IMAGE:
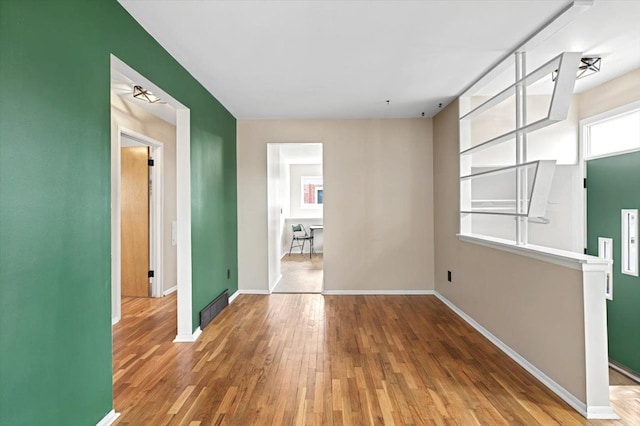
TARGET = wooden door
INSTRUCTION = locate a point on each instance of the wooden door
(135, 221)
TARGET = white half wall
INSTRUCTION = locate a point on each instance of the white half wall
(549, 314)
(378, 205)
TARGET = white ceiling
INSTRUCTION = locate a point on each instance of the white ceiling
(330, 59)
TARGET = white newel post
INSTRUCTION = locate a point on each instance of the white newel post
(596, 348)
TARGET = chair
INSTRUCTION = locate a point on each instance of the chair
(300, 235)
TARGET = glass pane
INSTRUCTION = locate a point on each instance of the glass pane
(614, 135)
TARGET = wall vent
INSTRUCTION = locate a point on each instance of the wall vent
(213, 309)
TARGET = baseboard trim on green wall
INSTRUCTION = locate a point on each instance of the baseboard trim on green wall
(624, 371)
(108, 419)
(188, 338)
(233, 296)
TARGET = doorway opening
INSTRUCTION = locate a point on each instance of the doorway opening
(611, 147)
(123, 78)
(295, 215)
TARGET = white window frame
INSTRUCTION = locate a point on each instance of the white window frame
(585, 126)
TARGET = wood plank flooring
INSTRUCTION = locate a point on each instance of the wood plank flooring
(327, 360)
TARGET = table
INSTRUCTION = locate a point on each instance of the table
(313, 228)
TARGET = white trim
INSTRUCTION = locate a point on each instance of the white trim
(564, 258)
(377, 292)
(170, 290)
(253, 291)
(155, 217)
(613, 154)
(584, 135)
(187, 338)
(108, 419)
(183, 193)
(276, 283)
(115, 320)
(609, 114)
(233, 296)
(183, 218)
(566, 396)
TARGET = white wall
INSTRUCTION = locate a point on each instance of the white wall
(378, 211)
(274, 216)
(285, 199)
(296, 173)
(127, 115)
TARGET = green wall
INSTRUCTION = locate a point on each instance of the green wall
(55, 284)
(613, 183)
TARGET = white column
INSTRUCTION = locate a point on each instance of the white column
(595, 340)
(521, 150)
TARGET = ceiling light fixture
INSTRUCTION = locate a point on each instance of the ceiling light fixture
(145, 95)
(588, 65)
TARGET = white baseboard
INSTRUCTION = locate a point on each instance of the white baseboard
(377, 292)
(254, 291)
(115, 320)
(108, 419)
(564, 394)
(233, 296)
(170, 290)
(186, 338)
(601, 413)
(276, 284)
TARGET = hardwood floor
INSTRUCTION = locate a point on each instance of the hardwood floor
(313, 359)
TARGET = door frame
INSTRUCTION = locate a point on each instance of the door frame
(156, 217)
(274, 246)
(583, 149)
(185, 332)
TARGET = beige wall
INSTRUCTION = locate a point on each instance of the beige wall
(534, 307)
(617, 92)
(378, 211)
(129, 116)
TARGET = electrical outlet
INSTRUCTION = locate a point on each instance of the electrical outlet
(449, 276)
